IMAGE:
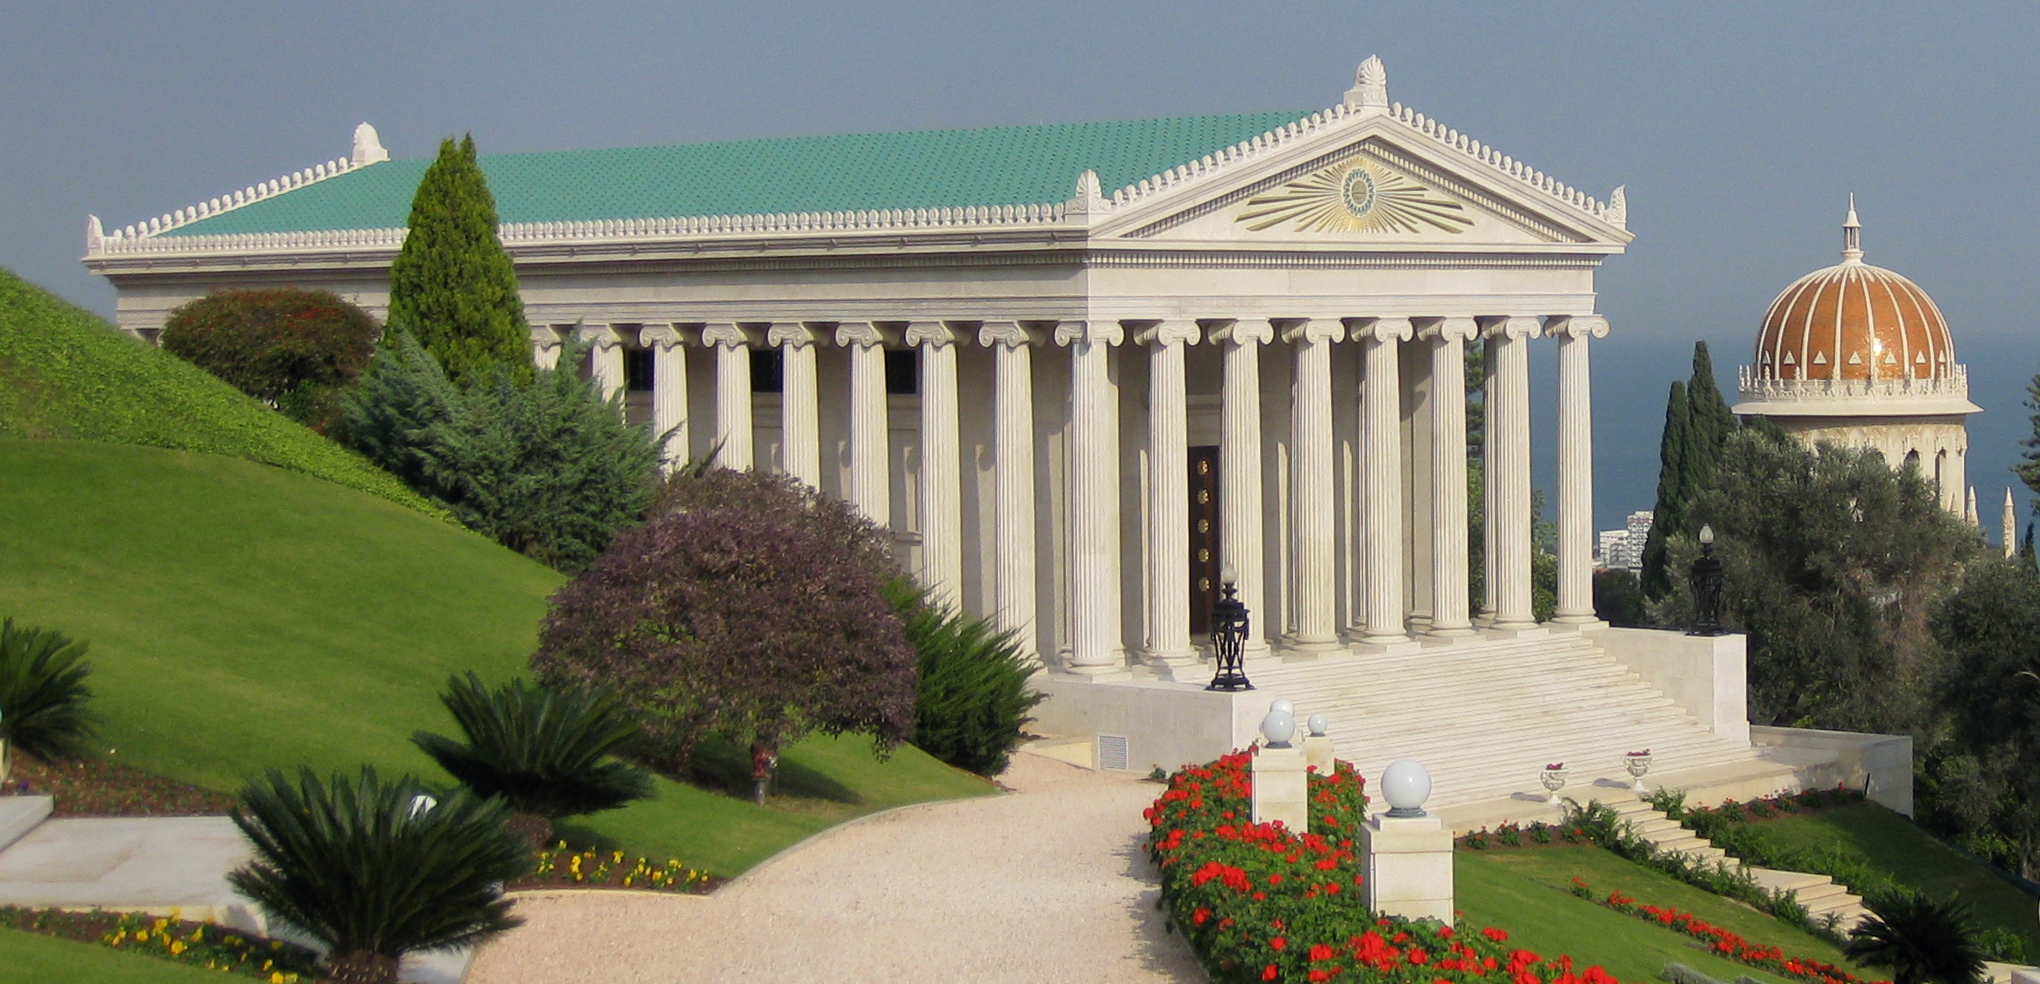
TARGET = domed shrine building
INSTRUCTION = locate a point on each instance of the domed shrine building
(1858, 355)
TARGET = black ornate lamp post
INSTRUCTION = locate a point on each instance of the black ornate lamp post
(1228, 637)
(1708, 576)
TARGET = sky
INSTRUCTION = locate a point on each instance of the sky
(1739, 130)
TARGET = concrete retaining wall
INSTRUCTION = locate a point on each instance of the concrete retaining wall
(1880, 765)
(1707, 676)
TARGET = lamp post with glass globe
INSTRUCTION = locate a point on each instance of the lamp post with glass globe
(1229, 636)
(1708, 576)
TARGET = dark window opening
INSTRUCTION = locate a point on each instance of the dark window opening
(768, 371)
(637, 370)
(902, 372)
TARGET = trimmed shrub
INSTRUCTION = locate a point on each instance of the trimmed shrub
(546, 467)
(453, 284)
(543, 752)
(728, 621)
(43, 693)
(366, 868)
(971, 703)
(785, 500)
(296, 350)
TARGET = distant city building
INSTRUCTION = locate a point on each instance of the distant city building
(1623, 549)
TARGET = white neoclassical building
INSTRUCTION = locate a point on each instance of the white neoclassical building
(1086, 372)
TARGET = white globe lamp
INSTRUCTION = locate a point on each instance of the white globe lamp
(1318, 723)
(1406, 784)
(1280, 724)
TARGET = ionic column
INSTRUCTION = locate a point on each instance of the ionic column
(800, 412)
(869, 488)
(1508, 477)
(545, 347)
(669, 392)
(1096, 645)
(1486, 615)
(1311, 502)
(733, 430)
(1381, 445)
(605, 358)
(1168, 573)
(941, 474)
(1239, 469)
(1575, 467)
(1448, 475)
(1013, 454)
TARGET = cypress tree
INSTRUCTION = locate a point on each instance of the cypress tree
(453, 286)
(1669, 514)
(1711, 421)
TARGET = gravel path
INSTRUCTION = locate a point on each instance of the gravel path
(1046, 884)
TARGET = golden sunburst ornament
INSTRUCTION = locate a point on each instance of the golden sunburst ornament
(1355, 197)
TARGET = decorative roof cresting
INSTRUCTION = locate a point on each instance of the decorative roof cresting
(1369, 93)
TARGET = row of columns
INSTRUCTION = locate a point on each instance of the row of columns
(1094, 571)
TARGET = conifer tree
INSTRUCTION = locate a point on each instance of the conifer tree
(1671, 491)
(1710, 419)
(453, 286)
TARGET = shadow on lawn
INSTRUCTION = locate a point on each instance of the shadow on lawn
(724, 767)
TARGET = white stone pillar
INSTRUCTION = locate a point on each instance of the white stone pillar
(1312, 505)
(1449, 550)
(1486, 616)
(870, 490)
(669, 392)
(941, 474)
(1575, 467)
(800, 412)
(1239, 470)
(1096, 645)
(1381, 445)
(733, 428)
(1508, 483)
(605, 358)
(1013, 455)
(545, 346)
(1168, 574)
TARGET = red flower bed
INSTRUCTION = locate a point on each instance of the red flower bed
(1260, 903)
(1725, 943)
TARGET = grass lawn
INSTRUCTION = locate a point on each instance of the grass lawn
(1911, 856)
(1527, 892)
(243, 616)
(31, 958)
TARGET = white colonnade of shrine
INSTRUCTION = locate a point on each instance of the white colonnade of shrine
(1392, 568)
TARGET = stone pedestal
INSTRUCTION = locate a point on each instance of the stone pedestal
(1280, 791)
(1317, 754)
(1408, 863)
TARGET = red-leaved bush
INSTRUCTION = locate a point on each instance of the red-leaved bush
(736, 622)
(295, 350)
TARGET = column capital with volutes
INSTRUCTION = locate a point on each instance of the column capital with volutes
(863, 334)
(797, 334)
(1512, 327)
(1576, 326)
(661, 336)
(1314, 330)
(1167, 332)
(1228, 330)
(1449, 329)
(1089, 332)
(544, 338)
(1380, 329)
(728, 334)
(1009, 334)
(602, 337)
(936, 333)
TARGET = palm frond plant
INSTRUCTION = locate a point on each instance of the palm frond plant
(1921, 940)
(372, 871)
(43, 695)
(548, 754)
(971, 703)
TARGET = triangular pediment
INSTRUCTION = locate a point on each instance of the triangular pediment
(1387, 178)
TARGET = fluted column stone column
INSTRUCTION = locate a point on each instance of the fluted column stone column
(1381, 444)
(1168, 573)
(1449, 548)
(800, 411)
(733, 426)
(1239, 470)
(941, 475)
(1312, 505)
(1013, 456)
(1508, 478)
(669, 393)
(870, 488)
(605, 358)
(545, 346)
(1575, 603)
(1096, 645)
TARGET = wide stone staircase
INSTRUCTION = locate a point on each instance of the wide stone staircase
(1821, 896)
(1486, 715)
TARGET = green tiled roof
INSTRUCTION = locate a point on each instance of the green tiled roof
(1015, 165)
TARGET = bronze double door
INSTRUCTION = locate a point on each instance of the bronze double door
(1206, 563)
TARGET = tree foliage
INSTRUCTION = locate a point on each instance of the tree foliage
(545, 466)
(43, 695)
(296, 350)
(364, 867)
(1981, 784)
(738, 622)
(453, 285)
(1698, 423)
(1834, 562)
(972, 698)
(546, 753)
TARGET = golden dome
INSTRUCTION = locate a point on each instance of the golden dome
(1854, 321)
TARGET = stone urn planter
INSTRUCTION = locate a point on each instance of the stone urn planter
(1639, 764)
(1553, 778)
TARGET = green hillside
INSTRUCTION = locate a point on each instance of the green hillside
(244, 617)
(66, 373)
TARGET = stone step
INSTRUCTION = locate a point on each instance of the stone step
(20, 814)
